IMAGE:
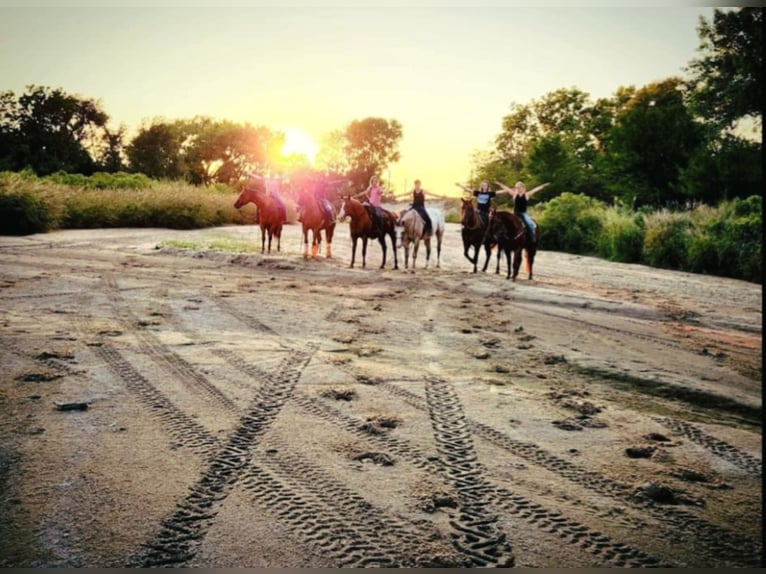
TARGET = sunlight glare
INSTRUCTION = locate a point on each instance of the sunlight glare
(298, 142)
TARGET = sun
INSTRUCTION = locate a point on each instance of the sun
(298, 142)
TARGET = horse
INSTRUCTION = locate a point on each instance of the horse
(270, 216)
(361, 228)
(314, 219)
(508, 231)
(413, 225)
(472, 231)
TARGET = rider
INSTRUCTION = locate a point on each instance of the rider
(374, 193)
(520, 196)
(483, 197)
(272, 183)
(419, 205)
(320, 190)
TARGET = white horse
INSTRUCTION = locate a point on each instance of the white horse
(412, 232)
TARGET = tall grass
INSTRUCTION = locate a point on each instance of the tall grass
(46, 204)
(725, 240)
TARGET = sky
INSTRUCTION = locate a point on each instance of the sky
(448, 71)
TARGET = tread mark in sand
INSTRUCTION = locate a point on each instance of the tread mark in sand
(722, 449)
(553, 522)
(710, 540)
(179, 538)
(337, 520)
(476, 533)
(161, 354)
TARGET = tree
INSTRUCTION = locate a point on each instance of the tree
(157, 150)
(371, 145)
(652, 141)
(727, 79)
(48, 131)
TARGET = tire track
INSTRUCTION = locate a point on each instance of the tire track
(720, 448)
(713, 540)
(552, 521)
(349, 530)
(181, 534)
(479, 536)
(170, 361)
(179, 425)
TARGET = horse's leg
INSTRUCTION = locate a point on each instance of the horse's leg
(406, 245)
(438, 250)
(384, 247)
(508, 262)
(516, 262)
(364, 252)
(392, 235)
(353, 250)
(305, 242)
(427, 242)
(488, 251)
(328, 233)
(499, 254)
(263, 239)
(315, 238)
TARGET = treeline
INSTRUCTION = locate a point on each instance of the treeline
(670, 144)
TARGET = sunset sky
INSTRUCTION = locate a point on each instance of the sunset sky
(447, 71)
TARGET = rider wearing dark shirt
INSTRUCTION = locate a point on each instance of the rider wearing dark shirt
(419, 205)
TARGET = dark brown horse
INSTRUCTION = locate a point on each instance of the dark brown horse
(473, 232)
(361, 228)
(270, 215)
(314, 220)
(509, 233)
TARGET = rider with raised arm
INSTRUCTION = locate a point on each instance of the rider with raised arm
(520, 196)
(483, 197)
(374, 195)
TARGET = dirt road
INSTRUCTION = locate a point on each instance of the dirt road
(190, 407)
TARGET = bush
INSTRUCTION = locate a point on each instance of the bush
(623, 236)
(23, 214)
(571, 223)
(666, 239)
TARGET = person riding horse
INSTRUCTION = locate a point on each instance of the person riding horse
(419, 205)
(272, 184)
(320, 188)
(483, 197)
(520, 196)
(373, 193)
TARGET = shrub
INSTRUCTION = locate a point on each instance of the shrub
(622, 238)
(23, 214)
(571, 223)
(666, 239)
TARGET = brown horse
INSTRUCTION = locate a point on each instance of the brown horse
(361, 228)
(314, 219)
(473, 232)
(508, 231)
(270, 215)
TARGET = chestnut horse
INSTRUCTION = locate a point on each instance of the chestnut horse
(412, 232)
(361, 228)
(314, 219)
(473, 232)
(508, 231)
(270, 216)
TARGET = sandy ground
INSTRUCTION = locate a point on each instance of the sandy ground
(187, 407)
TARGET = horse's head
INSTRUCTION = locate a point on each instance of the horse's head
(247, 195)
(467, 212)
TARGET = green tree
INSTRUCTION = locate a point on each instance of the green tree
(727, 78)
(156, 151)
(371, 145)
(652, 141)
(49, 130)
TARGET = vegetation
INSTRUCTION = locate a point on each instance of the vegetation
(661, 174)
